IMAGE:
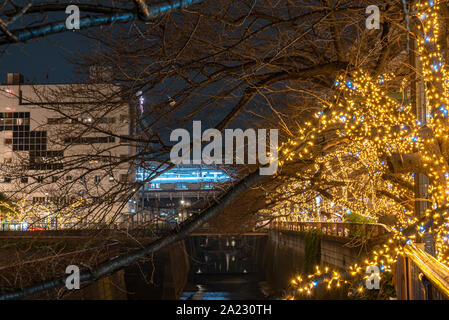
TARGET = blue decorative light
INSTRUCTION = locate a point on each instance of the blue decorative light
(415, 139)
(349, 84)
(431, 3)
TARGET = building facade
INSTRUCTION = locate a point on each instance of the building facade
(177, 193)
(64, 152)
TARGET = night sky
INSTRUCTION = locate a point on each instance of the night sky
(43, 60)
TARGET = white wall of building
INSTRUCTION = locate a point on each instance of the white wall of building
(84, 174)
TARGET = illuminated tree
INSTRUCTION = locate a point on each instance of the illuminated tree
(377, 146)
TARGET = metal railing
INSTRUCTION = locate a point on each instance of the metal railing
(55, 226)
(154, 228)
(338, 229)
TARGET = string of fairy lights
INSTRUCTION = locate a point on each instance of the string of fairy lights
(23, 211)
(369, 126)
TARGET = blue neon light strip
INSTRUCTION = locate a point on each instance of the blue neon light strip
(170, 176)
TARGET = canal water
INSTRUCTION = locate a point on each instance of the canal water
(225, 287)
(225, 268)
(244, 268)
(219, 268)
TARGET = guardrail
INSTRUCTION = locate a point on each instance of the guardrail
(338, 229)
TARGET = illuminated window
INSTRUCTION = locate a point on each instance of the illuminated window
(181, 186)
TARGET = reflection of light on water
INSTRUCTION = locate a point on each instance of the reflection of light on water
(226, 270)
(200, 287)
(203, 294)
(214, 295)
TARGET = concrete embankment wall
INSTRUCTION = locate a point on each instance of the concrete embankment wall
(333, 251)
(288, 254)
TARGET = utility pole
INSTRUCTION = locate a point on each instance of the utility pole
(419, 105)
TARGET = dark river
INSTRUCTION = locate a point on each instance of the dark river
(224, 287)
(225, 268)
(219, 268)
